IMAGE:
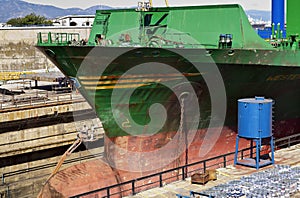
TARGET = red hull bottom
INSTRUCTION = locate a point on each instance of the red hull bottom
(97, 174)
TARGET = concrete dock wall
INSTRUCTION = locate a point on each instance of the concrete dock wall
(51, 110)
(29, 154)
(17, 47)
(29, 140)
(29, 183)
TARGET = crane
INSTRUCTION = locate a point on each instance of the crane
(166, 1)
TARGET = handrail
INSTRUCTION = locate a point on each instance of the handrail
(58, 38)
(37, 168)
(39, 97)
(183, 168)
(107, 189)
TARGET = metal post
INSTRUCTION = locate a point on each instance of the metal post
(251, 149)
(2, 101)
(13, 99)
(107, 192)
(224, 158)
(133, 190)
(185, 131)
(257, 153)
(7, 192)
(183, 174)
(2, 178)
(204, 166)
(160, 181)
(186, 153)
(272, 150)
(236, 149)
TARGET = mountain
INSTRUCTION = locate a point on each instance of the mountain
(92, 10)
(18, 8)
(259, 14)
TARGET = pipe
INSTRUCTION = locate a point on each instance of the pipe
(273, 30)
(278, 12)
(278, 31)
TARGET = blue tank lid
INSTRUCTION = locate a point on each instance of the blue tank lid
(257, 99)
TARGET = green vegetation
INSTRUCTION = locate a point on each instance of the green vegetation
(29, 20)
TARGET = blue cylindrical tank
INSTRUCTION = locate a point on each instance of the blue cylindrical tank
(255, 117)
(278, 11)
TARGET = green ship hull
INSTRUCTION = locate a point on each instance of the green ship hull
(259, 73)
(169, 79)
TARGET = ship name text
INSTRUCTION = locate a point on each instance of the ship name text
(284, 77)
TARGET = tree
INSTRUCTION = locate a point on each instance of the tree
(29, 20)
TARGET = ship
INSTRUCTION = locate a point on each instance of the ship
(165, 81)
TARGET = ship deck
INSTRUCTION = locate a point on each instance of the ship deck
(287, 156)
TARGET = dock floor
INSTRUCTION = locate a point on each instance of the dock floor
(287, 156)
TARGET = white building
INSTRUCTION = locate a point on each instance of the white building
(74, 20)
(2, 25)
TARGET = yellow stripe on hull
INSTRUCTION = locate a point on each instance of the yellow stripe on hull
(95, 83)
(115, 86)
(137, 76)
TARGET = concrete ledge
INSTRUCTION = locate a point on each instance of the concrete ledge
(32, 113)
(19, 142)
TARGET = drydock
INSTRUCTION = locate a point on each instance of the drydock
(39, 120)
(42, 122)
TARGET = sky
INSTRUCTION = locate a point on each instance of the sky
(246, 4)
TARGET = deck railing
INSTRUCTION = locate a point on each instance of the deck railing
(12, 102)
(58, 38)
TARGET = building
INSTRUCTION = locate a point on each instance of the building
(74, 20)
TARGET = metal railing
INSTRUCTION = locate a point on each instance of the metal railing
(51, 38)
(184, 174)
(35, 98)
(279, 143)
(286, 141)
